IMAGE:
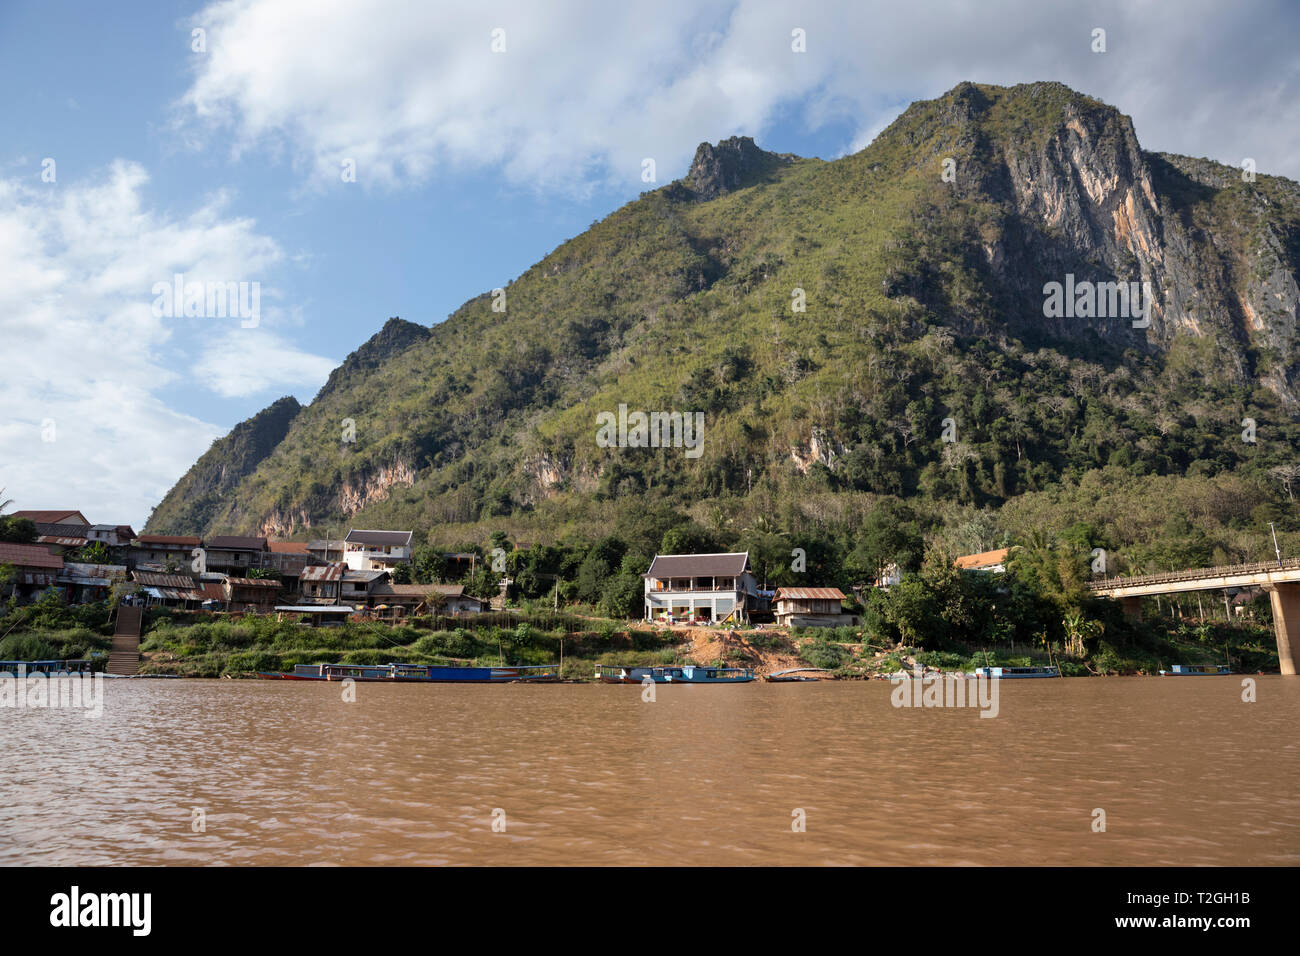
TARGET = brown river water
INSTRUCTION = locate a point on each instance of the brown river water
(288, 773)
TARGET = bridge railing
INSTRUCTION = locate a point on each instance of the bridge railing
(1194, 574)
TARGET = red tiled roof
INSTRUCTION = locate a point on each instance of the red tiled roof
(29, 556)
(51, 517)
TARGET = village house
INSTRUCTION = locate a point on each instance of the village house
(330, 552)
(700, 587)
(33, 569)
(85, 583)
(811, 607)
(367, 550)
(233, 554)
(159, 549)
(357, 587)
(288, 558)
(111, 535)
(250, 594)
(993, 562)
(319, 583)
(167, 589)
(63, 537)
(427, 598)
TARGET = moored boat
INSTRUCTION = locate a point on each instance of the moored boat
(795, 675)
(1011, 673)
(673, 674)
(1196, 670)
(418, 673)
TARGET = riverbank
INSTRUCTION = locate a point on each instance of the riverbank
(200, 644)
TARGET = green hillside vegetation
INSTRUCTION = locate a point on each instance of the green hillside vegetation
(924, 320)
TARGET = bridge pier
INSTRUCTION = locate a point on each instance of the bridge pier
(1132, 609)
(1285, 599)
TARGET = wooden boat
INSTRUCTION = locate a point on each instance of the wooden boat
(418, 673)
(674, 674)
(795, 675)
(1012, 673)
(1196, 670)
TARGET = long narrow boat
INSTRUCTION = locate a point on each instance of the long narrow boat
(418, 673)
(675, 674)
(1197, 670)
(795, 675)
(1010, 673)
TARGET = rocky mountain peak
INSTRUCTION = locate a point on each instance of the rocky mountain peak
(731, 164)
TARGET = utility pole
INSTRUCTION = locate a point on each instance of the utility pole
(1276, 549)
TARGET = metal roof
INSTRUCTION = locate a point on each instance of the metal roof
(323, 572)
(235, 542)
(29, 556)
(162, 579)
(809, 594)
(379, 538)
(253, 582)
(186, 540)
(730, 564)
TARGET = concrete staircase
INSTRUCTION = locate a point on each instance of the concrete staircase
(124, 658)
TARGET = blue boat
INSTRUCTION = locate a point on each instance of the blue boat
(1014, 673)
(22, 668)
(1197, 670)
(673, 674)
(418, 673)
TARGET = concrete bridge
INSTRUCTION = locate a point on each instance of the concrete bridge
(1281, 579)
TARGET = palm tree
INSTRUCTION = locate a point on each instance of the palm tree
(6, 503)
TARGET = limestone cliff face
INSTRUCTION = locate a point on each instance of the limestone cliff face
(207, 489)
(1081, 197)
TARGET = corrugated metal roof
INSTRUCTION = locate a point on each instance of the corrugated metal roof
(29, 556)
(178, 540)
(157, 579)
(253, 582)
(323, 572)
(730, 564)
(61, 542)
(809, 594)
(351, 575)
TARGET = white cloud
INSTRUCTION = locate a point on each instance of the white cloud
(77, 267)
(244, 361)
(585, 90)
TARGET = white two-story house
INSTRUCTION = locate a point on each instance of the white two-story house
(700, 587)
(376, 550)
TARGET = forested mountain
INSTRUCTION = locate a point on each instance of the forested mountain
(928, 365)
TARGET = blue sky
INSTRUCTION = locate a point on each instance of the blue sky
(472, 164)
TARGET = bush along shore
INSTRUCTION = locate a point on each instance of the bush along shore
(200, 644)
